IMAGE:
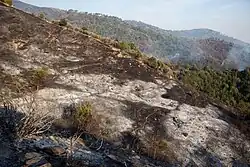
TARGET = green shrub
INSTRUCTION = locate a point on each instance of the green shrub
(54, 22)
(84, 29)
(96, 36)
(160, 149)
(41, 15)
(162, 145)
(63, 22)
(85, 32)
(77, 29)
(39, 76)
(40, 73)
(152, 62)
(137, 55)
(161, 65)
(158, 65)
(82, 114)
(127, 46)
(132, 46)
(69, 26)
(123, 45)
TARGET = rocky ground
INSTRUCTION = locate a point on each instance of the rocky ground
(141, 116)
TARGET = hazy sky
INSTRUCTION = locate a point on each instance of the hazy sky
(231, 17)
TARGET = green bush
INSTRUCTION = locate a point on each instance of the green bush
(85, 32)
(84, 29)
(161, 65)
(159, 149)
(162, 145)
(132, 46)
(63, 22)
(123, 45)
(138, 55)
(40, 73)
(152, 62)
(157, 64)
(127, 46)
(39, 76)
(70, 26)
(82, 114)
(41, 15)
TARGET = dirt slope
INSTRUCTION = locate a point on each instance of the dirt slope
(39, 43)
(145, 118)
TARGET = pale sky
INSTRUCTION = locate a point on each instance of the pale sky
(231, 17)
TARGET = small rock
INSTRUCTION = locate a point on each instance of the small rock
(185, 134)
(34, 159)
(64, 71)
(137, 157)
(87, 158)
(55, 150)
(46, 165)
(177, 122)
(31, 155)
(112, 157)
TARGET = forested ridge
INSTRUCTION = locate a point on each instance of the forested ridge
(232, 87)
(202, 47)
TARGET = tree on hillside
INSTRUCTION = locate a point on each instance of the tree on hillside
(41, 15)
(63, 22)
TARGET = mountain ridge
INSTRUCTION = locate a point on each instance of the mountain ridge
(174, 46)
(19, 3)
(192, 33)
